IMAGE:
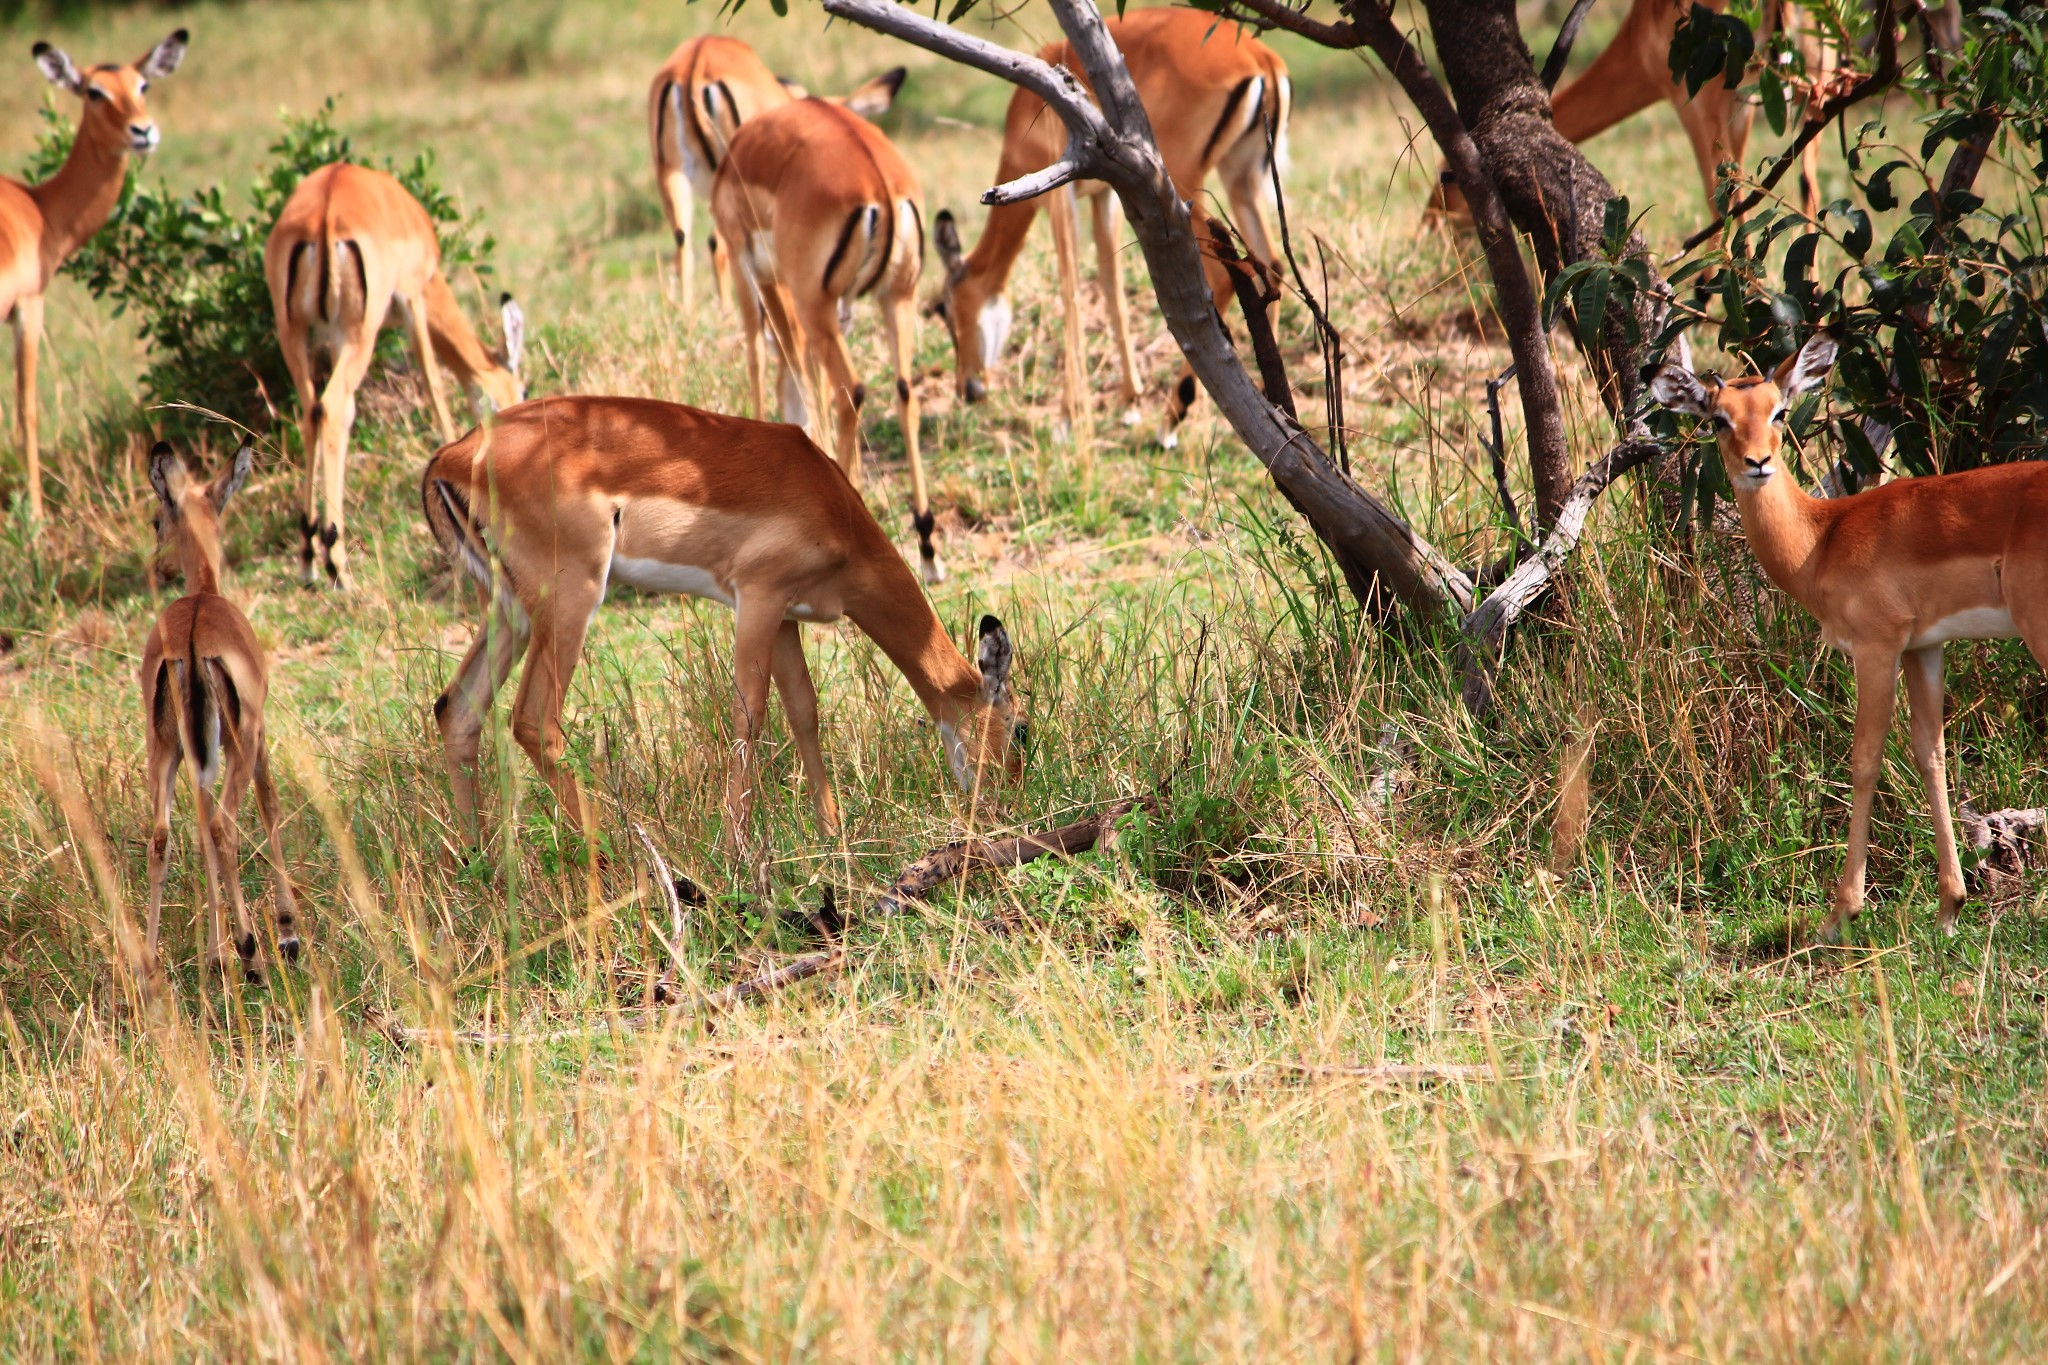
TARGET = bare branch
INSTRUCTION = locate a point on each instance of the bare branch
(1886, 72)
(956, 860)
(1561, 50)
(1487, 627)
(1274, 14)
(1061, 172)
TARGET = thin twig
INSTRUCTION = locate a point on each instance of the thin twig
(1497, 448)
(1561, 50)
(664, 986)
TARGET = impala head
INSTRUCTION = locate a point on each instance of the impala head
(995, 734)
(116, 114)
(502, 387)
(1747, 413)
(188, 512)
(976, 313)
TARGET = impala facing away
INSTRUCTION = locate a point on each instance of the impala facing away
(1218, 99)
(41, 225)
(561, 497)
(1892, 573)
(822, 209)
(204, 680)
(709, 87)
(1634, 72)
(350, 246)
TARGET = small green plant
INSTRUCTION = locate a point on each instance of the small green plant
(190, 267)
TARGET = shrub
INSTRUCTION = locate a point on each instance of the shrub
(190, 268)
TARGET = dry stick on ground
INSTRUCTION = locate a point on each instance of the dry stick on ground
(2001, 837)
(1113, 143)
(954, 862)
(1886, 72)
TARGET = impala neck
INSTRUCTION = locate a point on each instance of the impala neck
(892, 611)
(76, 201)
(459, 347)
(199, 556)
(1784, 527)
(1002, 242)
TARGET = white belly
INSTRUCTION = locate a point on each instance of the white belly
(657, 575)
(1978, 623)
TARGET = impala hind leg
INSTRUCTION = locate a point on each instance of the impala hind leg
(1930, 755)
(28, 340)
(298, 360)
(679, 208)
(163, 786)
(337, 419)
(839, 389)
(288, 943)
(1877, 685)
(800, 705)
(899, 321)
(462, 708)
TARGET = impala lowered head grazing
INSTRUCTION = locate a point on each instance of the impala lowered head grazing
(1891, 575)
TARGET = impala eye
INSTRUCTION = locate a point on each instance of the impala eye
(1723, 422)
(1778, 417)
(93, 92)
(142, 87)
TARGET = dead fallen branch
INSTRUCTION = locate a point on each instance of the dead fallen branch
(954, 862)
(1373, 1073)
(2002, 838)
(964, 856)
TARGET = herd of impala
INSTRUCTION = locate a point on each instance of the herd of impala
(549, 502)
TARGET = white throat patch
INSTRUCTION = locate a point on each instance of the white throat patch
(994, 326)
(956, 755)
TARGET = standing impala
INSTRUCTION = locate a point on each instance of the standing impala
(1634, 72)
(709, 87)
(1218, 100)
(42, 225)
(561, 497)
(822, 209)
(1891, 574)
(350, 247)
(204, 680)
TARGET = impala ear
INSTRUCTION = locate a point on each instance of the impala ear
(230, 480)
(796, 92)
(946, 238)
(167, 474)
(1679, 389)
(994, 657)
(513, 319)
(163, 59)
(1807, 367)
(873, 99)
(57, 68)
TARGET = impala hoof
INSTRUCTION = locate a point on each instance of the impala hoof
(289, 949)
(933, 570)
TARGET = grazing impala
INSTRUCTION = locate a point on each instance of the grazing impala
(709, 87)
(1218, 99)
(561, 497)
(41, 225)
(1634, 72)
(350, 246)
(821, 209)
(204, 680)
(1891, 574)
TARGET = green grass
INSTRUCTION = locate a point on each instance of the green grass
(1123, 1128)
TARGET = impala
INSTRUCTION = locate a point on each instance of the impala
(350, 247)
(820, 209)
(42, 225)
(204, 680)
(709, 87)
(1891, 575)
(1634, 72)
(1219, 101)
(561, 497)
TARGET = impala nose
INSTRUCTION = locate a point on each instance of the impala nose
(976, 390)
(1758, 469)
(143, 136)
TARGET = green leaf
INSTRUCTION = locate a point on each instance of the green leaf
(1591, 300)
(1772, 88)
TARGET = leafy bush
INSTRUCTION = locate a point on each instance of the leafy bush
(190, 268)
(1944, 319)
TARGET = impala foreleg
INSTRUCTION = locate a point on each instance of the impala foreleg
(414, 307)
(1877, 684)
(1930, 755)
(757, 621)
(559, 625)
(1060, 214)
(899, 320)
(465, 705)
(800, 706)
(28, 340)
